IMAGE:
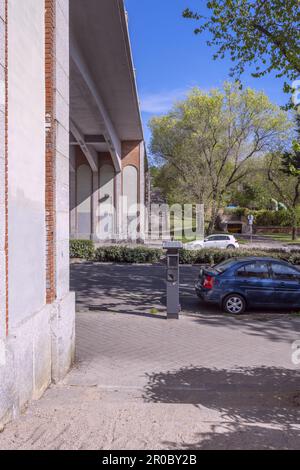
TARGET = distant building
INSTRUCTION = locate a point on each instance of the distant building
(107, 151)
(233, 223)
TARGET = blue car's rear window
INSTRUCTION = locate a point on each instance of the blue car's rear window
(222, 267)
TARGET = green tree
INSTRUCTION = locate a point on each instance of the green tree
(263, 34)
(291, 160)
(165, 179)
(209, 139)
(284, 174)
(254, 192)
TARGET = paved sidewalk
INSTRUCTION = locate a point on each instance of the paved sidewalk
(141, 382)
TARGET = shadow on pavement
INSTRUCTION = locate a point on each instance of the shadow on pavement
(229, 391)
(244, 397)
(242, 437)
(131, 288)
(137, 290)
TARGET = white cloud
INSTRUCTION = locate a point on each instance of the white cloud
(157, 103)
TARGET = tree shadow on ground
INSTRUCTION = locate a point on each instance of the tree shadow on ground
(132, 290)
(242, 437)
(259, 394)
(258, 408)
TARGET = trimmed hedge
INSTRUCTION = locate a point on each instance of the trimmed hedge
(210, 256)
(124, 254)
(83, 249)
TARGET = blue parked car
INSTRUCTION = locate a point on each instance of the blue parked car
(237, 284)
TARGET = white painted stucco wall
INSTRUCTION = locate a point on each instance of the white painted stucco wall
(2, 175)
(26, 147)
(40, 344)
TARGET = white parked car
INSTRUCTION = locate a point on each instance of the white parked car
(215, 241)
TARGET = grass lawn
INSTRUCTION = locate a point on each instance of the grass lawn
(243, 242)
(180, 238)
(177, 228)
(281, 237)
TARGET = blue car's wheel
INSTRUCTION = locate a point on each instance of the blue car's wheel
(234, 304)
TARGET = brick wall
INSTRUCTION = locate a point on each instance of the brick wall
(57, 147)
(3, 170)
(50, 148)
(131, 153)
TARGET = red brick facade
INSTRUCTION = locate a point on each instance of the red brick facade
(131, 153)
(50, 148)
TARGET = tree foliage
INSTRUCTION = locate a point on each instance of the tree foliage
(284, 174)
(207, 141)
(291, 160)
(263, 34)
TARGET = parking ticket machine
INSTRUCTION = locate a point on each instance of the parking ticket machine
(172, 278)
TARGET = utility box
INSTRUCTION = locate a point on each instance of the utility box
(172, 278)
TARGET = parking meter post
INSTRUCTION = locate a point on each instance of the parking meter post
(250, 222)
(172, 278)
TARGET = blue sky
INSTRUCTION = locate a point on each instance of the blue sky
(170, 59)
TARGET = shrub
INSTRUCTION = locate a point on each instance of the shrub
(124, 254)
(141, 255)
(238, 211)
(217, 256)
(294, 257)
(272, 218)
(108, 254)
(83, 249)
(264, 217)
(188, 256)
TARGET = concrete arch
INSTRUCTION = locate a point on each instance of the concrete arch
(130, 193)
(106, 208)
(83, 200)
(130, 186)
